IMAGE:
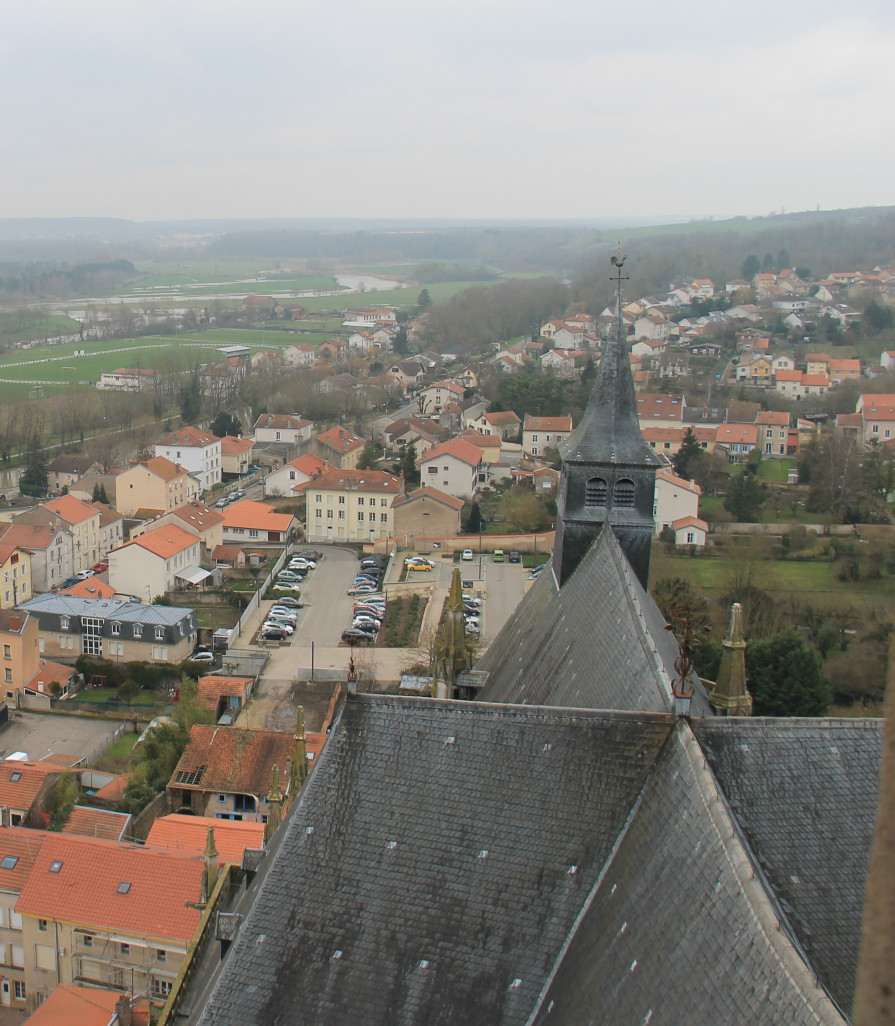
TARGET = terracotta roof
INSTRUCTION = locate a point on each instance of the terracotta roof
(355, 481)
(227, 553)
(737, 434)
(67, 1005)
(29, 536)
(114, 886)
(89, 822)
(815, 379)
(657, 404)
(233, 446)
(341, 440)
(232, 760)
(466, 452)
(255, 516)
(429, 493)
(198, 515)
(23, 846)
(878, 407)
(213, 687)
(91, 588)
(547, 423)
(70, 509)
(189, 437)
(49, 672)
(789, 375)
(689, 522)
(190, 834)
(20, 782)
(163, 468)
(164, 542)
(290, 421)
(309, 464)
(480, 440)
(773, 417)
(664, 434)
(114, 790)
(679, 482)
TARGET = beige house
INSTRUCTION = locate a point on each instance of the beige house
(15, 575)
(283, 427)
(65, 470)
(158, 484)
(19, 638)
(427, 513)
(432, 398)
(351, 505)
(111, 527)
(204, 522)
(156, 562)
(339, 447)
(130, 929)
(51, 548)
(236, 455)
(542, 433)
(19, 849)
(878, 412)
(453, 467)
(81, 519)
(504, 423)
(291, 476)
(773, 432)
(256, 523)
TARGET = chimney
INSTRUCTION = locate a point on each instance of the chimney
(123, 1010)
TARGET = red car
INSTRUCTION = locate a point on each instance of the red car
(100, 568)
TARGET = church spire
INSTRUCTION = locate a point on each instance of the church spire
(608, 470)
(451, 655)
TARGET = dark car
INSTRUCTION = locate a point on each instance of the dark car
(273, 634)
(355, 636)
(292, 603)
(514, 557)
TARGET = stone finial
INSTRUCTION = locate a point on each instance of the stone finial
(730, 696)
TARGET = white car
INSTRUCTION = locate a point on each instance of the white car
(202, 657)
(283, 612)
(472, 600)
(467, 555)
(418, 561)
(279, 624)
(84, 575)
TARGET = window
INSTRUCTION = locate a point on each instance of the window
(341, 514)
(360, 518)
(383, 517)
(623, 493)
(318, 498)
(116, 629)
(160, 988)
(19, 989)
(383, 502)
(124, 949)
(160, 634)
(16, 776)
(432, 470)
(691, 538)
(138, 630)
(8, 674)
(64, 621)
(56, 866)
(329, 514)
(7, 652)
(341, 500)
(42, 925)
(9, 861)
(372, 518)
(318, 514)
(161, 955)
(596, 492)
(360, 500)
(534, 438)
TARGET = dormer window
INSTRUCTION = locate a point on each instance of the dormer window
(64, 623)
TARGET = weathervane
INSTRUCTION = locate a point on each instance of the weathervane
(618, 278)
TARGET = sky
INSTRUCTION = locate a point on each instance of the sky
(447, 109)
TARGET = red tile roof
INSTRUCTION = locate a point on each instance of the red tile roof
(430, 493)
(164, 542)
(657, 405)
(548, 423)
(70, 509)
(189, 437)
(20, 782)
(190, 834)
(233, 446)
(67, 1005)
(23, 846)
(91, 588)
(213, 687)
(50, 671)
(83, 881)
(340, 440)
(88, 822)
(256, 516)
(233, 760)
(466, 452)
(380, 481)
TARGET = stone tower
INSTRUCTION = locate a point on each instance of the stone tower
(730, 697)
(608, 472)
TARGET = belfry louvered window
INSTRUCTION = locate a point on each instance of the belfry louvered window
(623, 494)
(596, 492)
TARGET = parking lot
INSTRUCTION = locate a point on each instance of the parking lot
(39, 734)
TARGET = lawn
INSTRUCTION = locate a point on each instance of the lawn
(119, 757)
(105, 696)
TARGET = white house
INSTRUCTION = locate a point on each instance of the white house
(291, 476)
(675, 497)
(453, 467)
(156, 562)
(198, 452)
(282, 427)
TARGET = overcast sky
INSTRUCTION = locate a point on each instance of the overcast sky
(447, 108)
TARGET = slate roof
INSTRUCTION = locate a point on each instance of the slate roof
(421, 873)
(598, 643)
(677, 931)
(804, 792)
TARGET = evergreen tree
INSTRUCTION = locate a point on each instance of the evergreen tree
(785, 677)
(99, 494)
(191, 400)
(399, 342)
(688, 456)
(408, 466)
(475, 522)
(744, 498)
(225, 424)
(751, 267)
(423, 300)
(368, 457)
(35, 477)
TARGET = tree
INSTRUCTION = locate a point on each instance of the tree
(475, 522)
(744, 498)
(99, 494)
(191, 400)
(423, 300)
(35, 476)
(785, 677)
(751, 267)
(64, 799)
(522, 511)
(689, 454)
(368, 457)
(877, 318)
(399, 342)
(226, 424)
(408, 465)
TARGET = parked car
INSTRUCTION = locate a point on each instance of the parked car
(420, 567)
(473, 600)
(468, 555)
(363, 589)
(354, 636)
(497, 557)
(290, 602)
(240, 493)
(69, 582)
(286, 586)
(315, 557)
(370, 607)
(279, 625)
(273, 634)
(100, 568)
(289, 575)
(280, 610)
(202, 657)
(84, 575)
(514, 557)
(411, 560)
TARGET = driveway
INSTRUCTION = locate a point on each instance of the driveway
(39, 734)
